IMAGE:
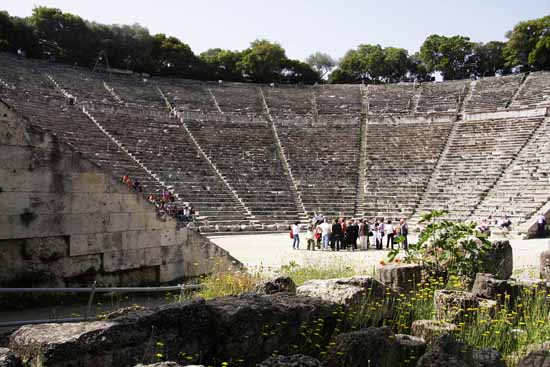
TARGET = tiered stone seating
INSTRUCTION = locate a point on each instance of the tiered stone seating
(67, 122)
(535, 92)
(442, 96)
(524, 188)
(284, 100)
(246, 154)
(324, 159)
(238, 98)
(162, 145)
(137, 92)
(85, 85)
(493, 93)
(390, 98)
(400, 159)
(337, 99)
(187, 95)
(477, 154)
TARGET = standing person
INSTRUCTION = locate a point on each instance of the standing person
(337, 234)
(296, 236)
(325, 233)
(363, 235)
(376, 235)
(388, 229)
(381, 232)
(344, 239)
(310, 237)
(353, 233)
(404, 231)
(541, 223)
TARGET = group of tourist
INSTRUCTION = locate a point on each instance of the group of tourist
(164, 203)
(351, 234)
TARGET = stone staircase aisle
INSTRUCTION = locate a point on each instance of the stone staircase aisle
(360, 195)
(246, 211)
(415, 216)
(282, 155)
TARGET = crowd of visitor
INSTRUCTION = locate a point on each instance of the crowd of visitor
(165, 203)
(351, 234)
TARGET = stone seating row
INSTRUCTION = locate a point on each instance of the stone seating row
(324, 162)
(400, 158)
(523, 189)
(492, 93)
(442, 96)
(477, 154)
(535, 92)
(163, 146)
(390, 98)
(247, 156)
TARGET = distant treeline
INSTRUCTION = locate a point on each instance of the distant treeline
(71, 39)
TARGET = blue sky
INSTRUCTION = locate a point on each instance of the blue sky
(303, 27)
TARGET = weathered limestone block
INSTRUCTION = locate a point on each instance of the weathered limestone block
(545, 265)
(374, 346)
(540, 358)
(429, 330)
(455, 306)
(499, 260)
(488, 286)
(251, 326)
(401, 278)
(276, 285)
(45, 249)
(297, 360)
(96, 243)
(131, 259)
(446, 351)
(346, 291)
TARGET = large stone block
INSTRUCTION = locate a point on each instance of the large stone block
(225, 328)
(118, 222)
(22, 180)
(50, 203)
(429, 330)
(140, 239)
(88, 182)
(455, 306)
(86, 223)
(131, 259)
(375, 347)
(401, 278)
(14, 157)
(13, 203)
(173, 271)
(498, 260)
(95, 243)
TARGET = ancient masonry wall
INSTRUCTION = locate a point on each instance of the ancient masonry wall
(66, 222)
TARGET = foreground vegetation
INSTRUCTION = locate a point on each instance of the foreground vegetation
(451, 253)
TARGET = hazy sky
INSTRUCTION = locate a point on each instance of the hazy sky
(303, 27)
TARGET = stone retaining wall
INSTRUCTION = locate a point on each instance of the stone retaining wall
(66, 222)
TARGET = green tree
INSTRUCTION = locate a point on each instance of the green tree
(372, 63)
(221, 64)
(295, 71)
(321, 62)
(69, 31)
(488, 59)
(171, 56)
(448, 55)
(263, 61)
(529, 44)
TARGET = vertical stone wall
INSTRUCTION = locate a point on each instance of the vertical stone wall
(66, 222)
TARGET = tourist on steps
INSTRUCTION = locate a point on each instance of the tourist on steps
(296, 236)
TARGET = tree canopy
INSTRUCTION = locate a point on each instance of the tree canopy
(72, 39)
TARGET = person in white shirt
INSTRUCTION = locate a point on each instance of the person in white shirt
(325, 234)
(296, 236)
(388, 228)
